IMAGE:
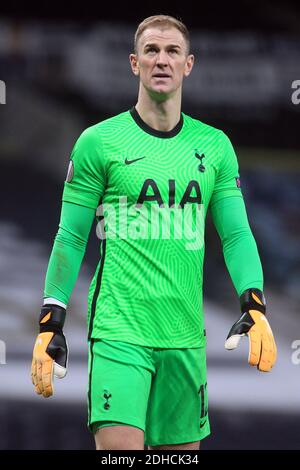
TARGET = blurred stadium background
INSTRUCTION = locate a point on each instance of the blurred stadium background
(66, 69)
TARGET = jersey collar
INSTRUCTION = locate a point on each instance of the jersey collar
(163, 134)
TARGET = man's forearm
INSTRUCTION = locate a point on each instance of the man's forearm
(67, 253)
(239, 246)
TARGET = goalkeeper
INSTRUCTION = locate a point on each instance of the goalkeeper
(147, 361)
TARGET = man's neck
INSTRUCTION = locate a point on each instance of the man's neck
(162, 116)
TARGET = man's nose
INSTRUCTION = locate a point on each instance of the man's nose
(162, 58)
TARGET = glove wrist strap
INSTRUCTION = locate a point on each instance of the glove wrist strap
(52, 318)
(253, 299)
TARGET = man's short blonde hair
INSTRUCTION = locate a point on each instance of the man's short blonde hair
(162, 21)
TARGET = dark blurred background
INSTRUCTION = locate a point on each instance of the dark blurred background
(65, 68)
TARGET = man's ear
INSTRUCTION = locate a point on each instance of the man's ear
(189, 65)
(134, 64)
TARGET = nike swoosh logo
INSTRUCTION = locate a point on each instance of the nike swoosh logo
(128, 162)
(201, 425)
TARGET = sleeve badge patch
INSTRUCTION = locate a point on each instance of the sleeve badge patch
(238, 182)
(70, 173)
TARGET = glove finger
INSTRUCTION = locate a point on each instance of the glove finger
(254, 346)
(233, 341)
(59, 371)
(33, 371)
(267, 354)
(274, 349)
(47, 378)
(34, 377)
(38, 379)
(34, 366)
(38, 390)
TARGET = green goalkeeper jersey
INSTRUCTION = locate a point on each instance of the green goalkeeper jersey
(151, 190)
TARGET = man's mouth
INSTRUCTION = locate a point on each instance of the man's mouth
(161, 75)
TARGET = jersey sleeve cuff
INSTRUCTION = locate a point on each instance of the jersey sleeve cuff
(51, 300)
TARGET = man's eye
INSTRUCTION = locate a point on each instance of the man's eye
(151, 49)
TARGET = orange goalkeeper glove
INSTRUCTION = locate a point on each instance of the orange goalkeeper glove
(50, 353)
(253, 322)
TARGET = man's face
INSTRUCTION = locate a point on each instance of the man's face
(161, 60)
